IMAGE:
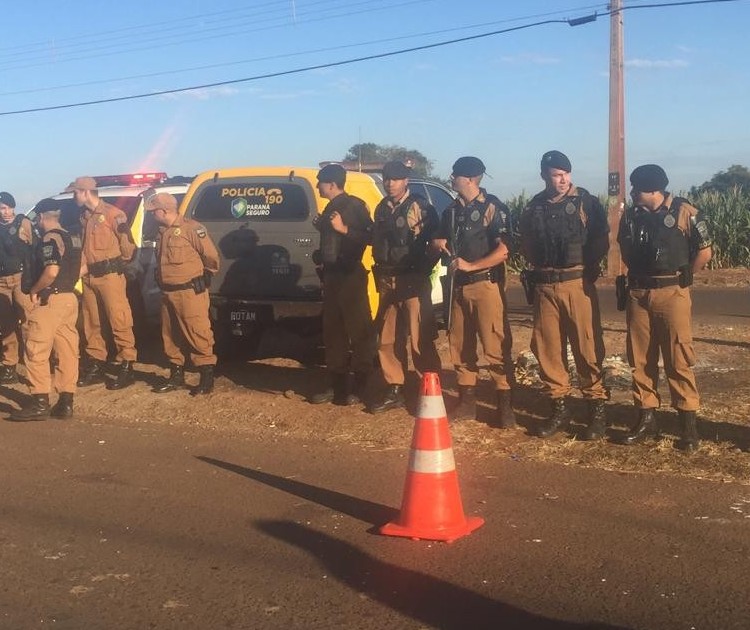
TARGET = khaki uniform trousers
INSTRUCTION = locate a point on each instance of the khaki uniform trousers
(347, 323)
(480, 309)
(186, 327)
(660, 320)
(49, 328)
(406, 297)
(105, 297)
(568, 311)
(14, 309)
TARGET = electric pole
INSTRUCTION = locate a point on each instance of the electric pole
(616, 181)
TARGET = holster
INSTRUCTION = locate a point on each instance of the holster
(199, 284)
(529, 285)
(686, 276)
(621, 292)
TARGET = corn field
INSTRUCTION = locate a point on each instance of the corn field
(727, 213)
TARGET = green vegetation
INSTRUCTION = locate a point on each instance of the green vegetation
(728, 214)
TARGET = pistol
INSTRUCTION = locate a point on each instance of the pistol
(621, 292)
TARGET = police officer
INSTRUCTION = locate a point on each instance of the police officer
(475, 232)
(52, 318)
(345, 230)
(186, 259)
(16, 237)
(663, 240)
(403, 227)
(107, 246)
(564, 236)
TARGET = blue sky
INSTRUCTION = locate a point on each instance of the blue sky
(506, 98)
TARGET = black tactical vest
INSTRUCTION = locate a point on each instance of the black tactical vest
(13, 251)
(471, 240)
(558, 233)
(393, 241)
(70, 265)
(653, 244)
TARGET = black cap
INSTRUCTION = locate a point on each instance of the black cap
(468, 166)
(48, 205)
(332, 174)
(396, 169)
(7, 199)
(649, 178)
(556, 159)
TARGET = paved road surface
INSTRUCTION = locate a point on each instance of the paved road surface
(145, 526)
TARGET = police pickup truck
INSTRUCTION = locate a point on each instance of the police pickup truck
(261, 221)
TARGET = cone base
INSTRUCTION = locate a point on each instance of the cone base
(439, 534)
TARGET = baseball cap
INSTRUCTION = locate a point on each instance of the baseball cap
(156, 200)
(649, 178)
(7, 199)
(468, 166)
(331, 174)
(48, 205)
(82, 183)
(556, 159)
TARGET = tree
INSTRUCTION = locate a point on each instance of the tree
(724, 181)
(370, 153)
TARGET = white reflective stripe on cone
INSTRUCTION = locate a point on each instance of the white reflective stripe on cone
(431, 408)
(432, 461)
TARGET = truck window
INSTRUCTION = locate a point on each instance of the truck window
(256, 201)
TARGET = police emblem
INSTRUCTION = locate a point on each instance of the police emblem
(400, 222)
(100, 218)
(177, 231)
(12, 231)
(475, 216)
(200, 232)
(669, 221)
(570, 208)
(239, 207)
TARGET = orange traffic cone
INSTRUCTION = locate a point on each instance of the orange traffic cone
(431, 507)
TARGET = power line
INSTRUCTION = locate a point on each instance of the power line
(344, 62)
(294, 54)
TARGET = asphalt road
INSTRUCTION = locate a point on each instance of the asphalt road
(723, 306)
(156, 526)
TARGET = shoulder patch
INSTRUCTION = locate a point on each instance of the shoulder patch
(201, 232)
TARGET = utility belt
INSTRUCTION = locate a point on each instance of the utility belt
(462, 278)
(553, 276)
(105, 267)
(198, 284)
(44, 294)
(385, 271)
(653, 282)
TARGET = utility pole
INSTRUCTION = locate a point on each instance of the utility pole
(616, 181)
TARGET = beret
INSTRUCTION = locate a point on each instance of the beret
(47, 205)
(649, 178)
(7, 199)
(556, 159)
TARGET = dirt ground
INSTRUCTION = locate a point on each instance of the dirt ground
(267, 399)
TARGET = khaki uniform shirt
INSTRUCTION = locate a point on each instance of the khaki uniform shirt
(106, 234)
(184, 250)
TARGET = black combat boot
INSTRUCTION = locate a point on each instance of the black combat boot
(343, 385)
(646, 427)
(597, 426)
(63, 407)
(93, 373)
(393, 398)
(323, 396)
(124, 377)
(175, 381)
(690, 440)
(506, 418)
(8, 375)
(206, 381)
(467, 404)
(558, 421)
(37, 408)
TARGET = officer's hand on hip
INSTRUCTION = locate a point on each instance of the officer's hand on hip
(459, 264)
